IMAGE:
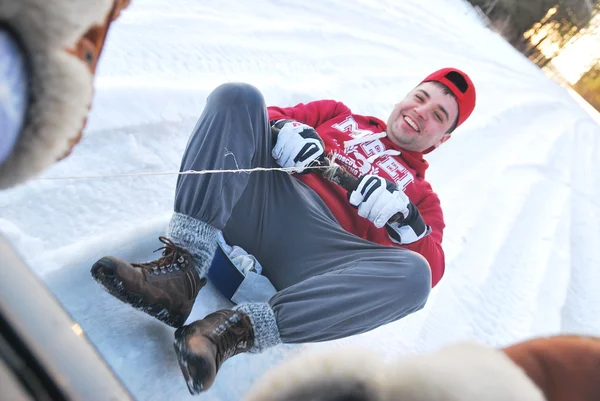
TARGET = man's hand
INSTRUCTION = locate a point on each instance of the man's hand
(298, 145)
(378, 199)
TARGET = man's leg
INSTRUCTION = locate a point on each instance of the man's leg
(232, 133)
(372, 287)
(332, 284)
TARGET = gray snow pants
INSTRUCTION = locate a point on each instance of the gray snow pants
(331, 284)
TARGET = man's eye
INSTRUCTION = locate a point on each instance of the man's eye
(419, 98)
(438, 116)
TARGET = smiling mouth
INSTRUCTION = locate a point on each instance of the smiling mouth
(412, 123)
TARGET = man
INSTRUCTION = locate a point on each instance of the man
(339, 268)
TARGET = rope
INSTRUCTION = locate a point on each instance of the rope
(187, 172)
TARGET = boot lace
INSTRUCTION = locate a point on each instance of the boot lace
(232, 337)
(172, 259)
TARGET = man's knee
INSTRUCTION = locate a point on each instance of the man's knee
(418, 277)
(236, 94)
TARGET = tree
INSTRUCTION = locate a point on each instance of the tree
(539, 28)
(588, 86)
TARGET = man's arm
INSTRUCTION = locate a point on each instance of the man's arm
(312, 113)
(378, 200)
(430, 246)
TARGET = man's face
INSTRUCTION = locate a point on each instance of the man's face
(422, 118)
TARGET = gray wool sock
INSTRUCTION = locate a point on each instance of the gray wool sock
(266, 332)
(197, 237)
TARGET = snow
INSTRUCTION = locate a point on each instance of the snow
(517, 181)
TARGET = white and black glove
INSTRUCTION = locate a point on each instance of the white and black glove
(378, 199)
(298, 145)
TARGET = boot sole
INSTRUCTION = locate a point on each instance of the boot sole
(115, 287)
(190, 362)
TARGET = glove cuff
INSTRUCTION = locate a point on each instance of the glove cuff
(281, 122)
(410, 230)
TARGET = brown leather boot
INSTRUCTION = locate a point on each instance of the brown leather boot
(165, 288)
(204, 345)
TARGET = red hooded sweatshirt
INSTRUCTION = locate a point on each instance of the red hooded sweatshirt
(360, 145)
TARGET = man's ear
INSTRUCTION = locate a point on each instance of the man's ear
(443, 139)
(437, 144)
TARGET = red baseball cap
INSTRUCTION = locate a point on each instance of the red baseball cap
(461, 87)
